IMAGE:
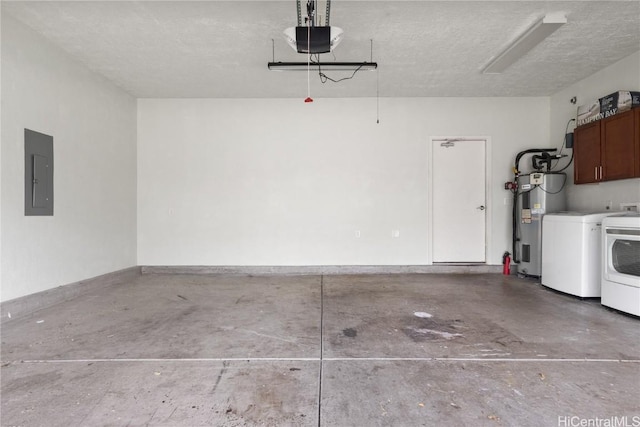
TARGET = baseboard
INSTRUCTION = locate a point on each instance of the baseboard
(323, 269)
(28, 304)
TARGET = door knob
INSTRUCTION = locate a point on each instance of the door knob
(481, 207)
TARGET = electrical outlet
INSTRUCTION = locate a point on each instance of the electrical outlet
(395, 233)
(609, 205)
(630, 207)
(357, 233)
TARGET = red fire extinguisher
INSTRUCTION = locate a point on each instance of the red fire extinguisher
(506, 263)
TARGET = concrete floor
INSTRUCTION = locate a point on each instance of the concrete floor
(403, 350)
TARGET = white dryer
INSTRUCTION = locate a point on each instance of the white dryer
(621, 263)
(572, 252)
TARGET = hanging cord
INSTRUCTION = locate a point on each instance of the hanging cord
(324, 78)
(562, 147)
(377, 97)
(563, 144)
(309, 62)
(308, 99)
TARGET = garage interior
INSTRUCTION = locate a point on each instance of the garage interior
(220, 252)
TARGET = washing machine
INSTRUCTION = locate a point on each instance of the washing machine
(572, 252)
(621, 263)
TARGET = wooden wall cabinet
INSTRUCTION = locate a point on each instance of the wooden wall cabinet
(607, 149)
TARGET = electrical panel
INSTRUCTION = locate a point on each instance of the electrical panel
(38, 173)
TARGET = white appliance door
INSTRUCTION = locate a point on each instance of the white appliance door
(622, 256)
(459, 207)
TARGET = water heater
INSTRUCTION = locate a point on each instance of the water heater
(538, 193)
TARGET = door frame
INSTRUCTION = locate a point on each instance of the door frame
(488, 194)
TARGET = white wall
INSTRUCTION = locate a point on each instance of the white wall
(0, 155)
(93, 230)
(280, 182)
(623, 75)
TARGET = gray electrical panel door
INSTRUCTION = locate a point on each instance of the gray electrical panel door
(38, 173)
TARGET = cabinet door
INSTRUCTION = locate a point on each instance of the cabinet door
(618, 146)
(586, 153)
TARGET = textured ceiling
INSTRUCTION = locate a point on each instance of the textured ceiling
(202, 49)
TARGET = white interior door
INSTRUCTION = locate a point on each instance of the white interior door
(459, 201)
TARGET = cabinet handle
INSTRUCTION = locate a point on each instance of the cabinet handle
(600, 173)
(595, 173)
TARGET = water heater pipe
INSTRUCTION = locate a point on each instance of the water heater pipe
(514, 216)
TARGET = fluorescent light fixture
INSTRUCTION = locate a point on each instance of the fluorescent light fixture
(523, 44)
(324, 66)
